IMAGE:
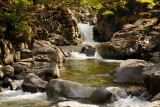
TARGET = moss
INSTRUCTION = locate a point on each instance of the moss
(146, 1)
(26, 2)
(107, 13)
(150, 3)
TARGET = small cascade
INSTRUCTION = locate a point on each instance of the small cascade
(117, 92)
(12, 95)
(87, 32)
(130, 101)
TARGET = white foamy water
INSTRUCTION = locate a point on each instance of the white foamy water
(81, 56)
(117, 92)
(130, 102)
(86, 31)
(74, 104)
(12, 95)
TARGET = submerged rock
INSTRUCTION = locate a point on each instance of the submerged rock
(32, 83)
(130, 71)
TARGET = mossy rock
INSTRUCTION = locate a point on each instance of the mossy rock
(109, 51)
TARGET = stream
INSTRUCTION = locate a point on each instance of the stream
(90, 71)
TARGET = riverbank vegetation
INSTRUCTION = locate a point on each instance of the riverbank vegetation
(16, 19)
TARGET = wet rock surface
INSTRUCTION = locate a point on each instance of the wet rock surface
(63, 88)
(88, 50)
(101, 95)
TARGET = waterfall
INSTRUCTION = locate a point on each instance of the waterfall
(86, 31)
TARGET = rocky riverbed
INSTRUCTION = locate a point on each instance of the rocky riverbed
(49, 70)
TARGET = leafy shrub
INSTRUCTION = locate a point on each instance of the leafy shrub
(16, 22)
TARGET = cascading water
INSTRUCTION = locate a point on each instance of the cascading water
(86, 31)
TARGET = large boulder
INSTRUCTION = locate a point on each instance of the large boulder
(136, 40)
(32, 83)
(57, 88)
(130, 71)
(151, 77)
(45, 51)
(61, 88)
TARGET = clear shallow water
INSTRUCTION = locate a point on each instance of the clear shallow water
(90, 72)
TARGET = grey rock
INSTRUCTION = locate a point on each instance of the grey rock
(130, 72)
(101, 95)
(18, 68)
(32, 83)
(61, 88)
(89, 50)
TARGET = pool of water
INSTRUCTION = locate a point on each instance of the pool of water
(90, 72)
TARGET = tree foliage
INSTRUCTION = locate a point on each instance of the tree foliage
(16, 21)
